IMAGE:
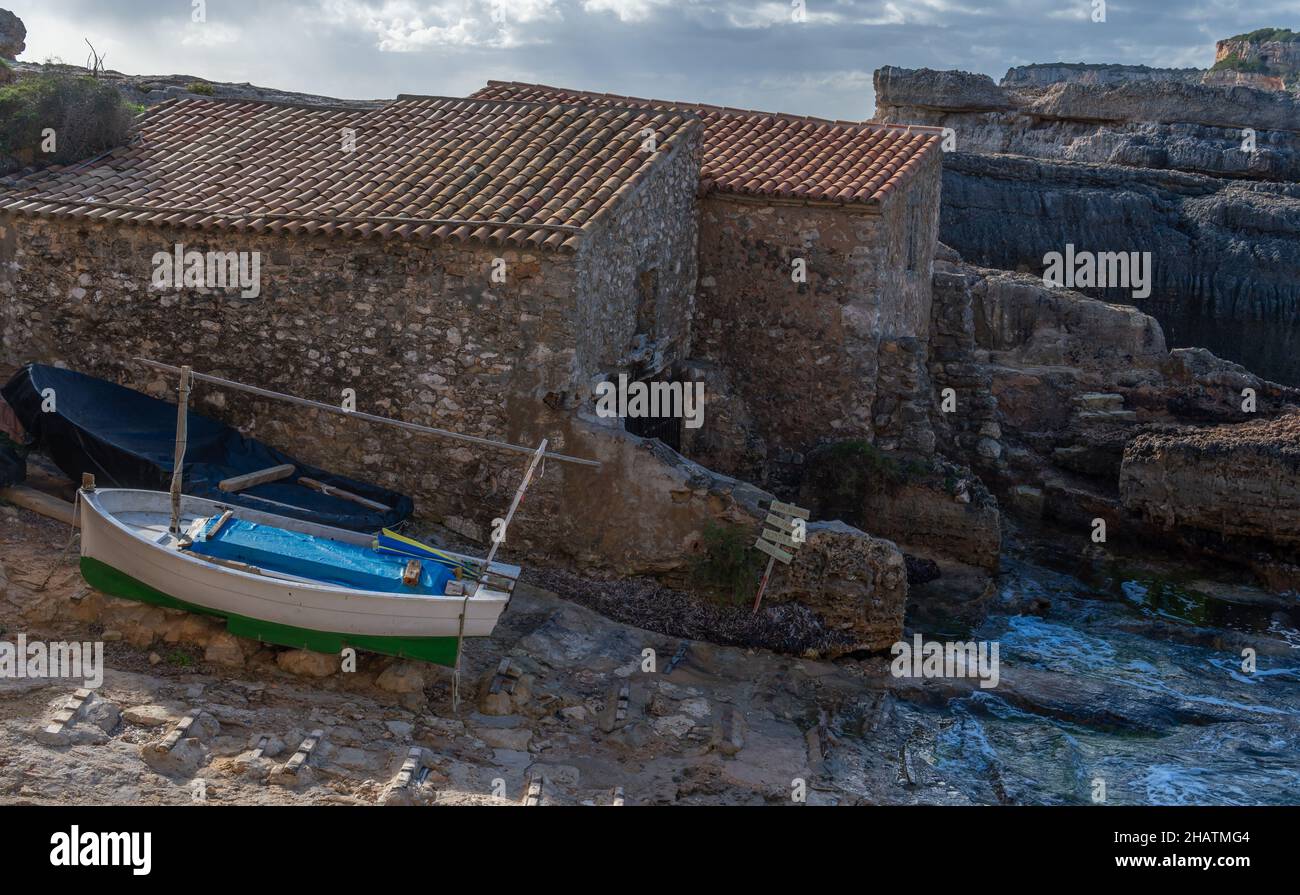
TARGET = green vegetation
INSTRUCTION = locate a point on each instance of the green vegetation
(840, 476)
(729, 567)
(200, 88)
(86, 117)
(1233, 62)
(858, 464)
(180, 659)
(1263, 35)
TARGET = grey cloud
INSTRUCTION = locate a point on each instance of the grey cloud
(722, 51)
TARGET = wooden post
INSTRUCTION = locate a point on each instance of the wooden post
(762, 584)
(178, 461)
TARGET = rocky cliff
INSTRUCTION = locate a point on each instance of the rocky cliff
(1065, 404)
(1044, 73)
(1202, 177)
(1230, 490)
(1267, 58)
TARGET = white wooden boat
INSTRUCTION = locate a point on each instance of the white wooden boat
(307, 587)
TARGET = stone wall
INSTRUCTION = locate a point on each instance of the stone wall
(642, 251)
(840, 355)
(421, 333)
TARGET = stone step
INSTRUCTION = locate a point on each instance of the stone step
(1100, 401)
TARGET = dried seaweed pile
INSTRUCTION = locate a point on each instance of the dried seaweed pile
(785, 627)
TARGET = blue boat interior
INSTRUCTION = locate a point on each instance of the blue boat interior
(318, 559)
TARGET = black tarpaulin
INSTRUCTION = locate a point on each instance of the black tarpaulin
(127, 439)
(13, 466)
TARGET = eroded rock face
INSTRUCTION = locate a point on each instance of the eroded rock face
(1268, 58)
(1139, 166)
(932, 507)
(1239, 481)
(947, 91)
(13, 35)
(1044, 74)
(1069, 387)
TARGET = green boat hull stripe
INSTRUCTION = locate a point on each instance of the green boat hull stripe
(439, 650)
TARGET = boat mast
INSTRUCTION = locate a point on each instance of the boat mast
(178, 460)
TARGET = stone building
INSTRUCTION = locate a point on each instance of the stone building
(481, 265)
(812, 313)
(466, 264)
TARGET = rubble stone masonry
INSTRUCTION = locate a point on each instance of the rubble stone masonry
(420, 332)
(842, 355)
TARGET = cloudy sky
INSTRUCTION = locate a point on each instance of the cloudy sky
(749, 53)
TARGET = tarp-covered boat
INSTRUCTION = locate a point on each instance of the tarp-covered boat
(127, 440)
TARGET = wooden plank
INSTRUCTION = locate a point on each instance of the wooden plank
(776, 537)
(221, 522)
(774, 551)
(253, 479)
(780, 524)
(333, 491)
(40, 502)
(788, 509)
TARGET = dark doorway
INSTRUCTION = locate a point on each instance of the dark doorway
(667, 429)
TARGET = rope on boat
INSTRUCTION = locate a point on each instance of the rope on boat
(539, 457)
(72, 539)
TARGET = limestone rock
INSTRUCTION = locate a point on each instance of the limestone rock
(13, 35)
(506, 701)
(515, 739)
(224, 649)
(308, 663)
(182, 760)
(729, 731)
(402, 677)
(101, 713)
(150, 715)
(1238, 481)
(943, 90)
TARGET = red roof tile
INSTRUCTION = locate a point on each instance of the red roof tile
(426, 168)
(767, 154)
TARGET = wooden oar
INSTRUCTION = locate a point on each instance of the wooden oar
(333, 491)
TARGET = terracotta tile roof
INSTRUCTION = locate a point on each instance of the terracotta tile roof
(427, 168)
(766, 154)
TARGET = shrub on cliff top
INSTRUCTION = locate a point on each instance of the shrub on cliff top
(1233, 62)
(1265, 35)
(87, 116)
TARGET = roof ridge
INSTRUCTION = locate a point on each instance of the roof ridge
(730, 110)
(563, 104)
(361, 105)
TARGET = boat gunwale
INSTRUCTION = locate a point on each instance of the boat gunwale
(92, 500)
